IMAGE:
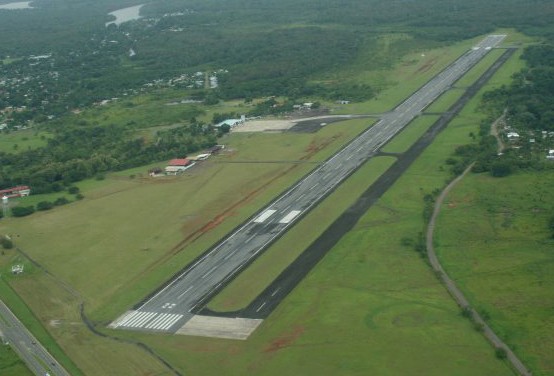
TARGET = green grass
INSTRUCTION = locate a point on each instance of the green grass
(10, 364)
(18, 141)
(443, 103)
(492, 238)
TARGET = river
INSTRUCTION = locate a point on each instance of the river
(125, 14)
(17, 5)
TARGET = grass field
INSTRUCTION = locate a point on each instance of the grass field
(371, 306)
(493, 241)
(18, 141)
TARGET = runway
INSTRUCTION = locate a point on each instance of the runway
(177, 302)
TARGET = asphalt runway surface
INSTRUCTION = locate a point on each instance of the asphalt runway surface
(187, 292)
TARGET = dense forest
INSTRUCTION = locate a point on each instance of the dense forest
(61, 56)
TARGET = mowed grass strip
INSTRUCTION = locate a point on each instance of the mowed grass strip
(494, 242)
(250, 283)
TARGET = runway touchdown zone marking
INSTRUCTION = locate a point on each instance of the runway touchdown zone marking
(265, 215)
(289, 217)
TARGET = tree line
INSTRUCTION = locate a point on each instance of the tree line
(76, 153)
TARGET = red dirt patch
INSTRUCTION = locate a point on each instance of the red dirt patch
(285, 340)
(425, 67)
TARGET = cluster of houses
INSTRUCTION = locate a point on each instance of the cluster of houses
(515, 139)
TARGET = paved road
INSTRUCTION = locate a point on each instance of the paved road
(173, 305)
(37, 358)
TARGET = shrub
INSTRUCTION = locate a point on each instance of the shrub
(500, 353)
(73, 190)
(45, 205)
(61, 201)
(22, 211)
(6, 242)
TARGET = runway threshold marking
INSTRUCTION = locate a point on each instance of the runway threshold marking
(265, 215)
(289, 217)
(164, 321)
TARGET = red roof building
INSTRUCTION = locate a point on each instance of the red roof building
(19, 191)
(177, 166)
(179, 162)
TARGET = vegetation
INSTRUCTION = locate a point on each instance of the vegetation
(10, 364)
(494, 241)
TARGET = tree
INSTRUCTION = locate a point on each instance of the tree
(224, 128)
(501, 168)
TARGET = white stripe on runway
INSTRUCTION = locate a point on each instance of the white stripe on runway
(164, 321)
(159, 319)
(144, 320)
(135, 316)
(265, 215)
(123, 318)
(289, 217)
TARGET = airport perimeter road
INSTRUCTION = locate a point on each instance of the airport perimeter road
(176, 302)
(37, 358)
